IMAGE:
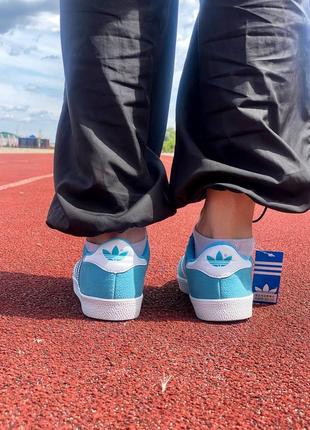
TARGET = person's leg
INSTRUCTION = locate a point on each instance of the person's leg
(242, 137)
(110, 182)
(226, 215)
(236, 224)
(118, 62)
(243, 105)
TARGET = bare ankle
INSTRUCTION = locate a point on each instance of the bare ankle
(226, 215)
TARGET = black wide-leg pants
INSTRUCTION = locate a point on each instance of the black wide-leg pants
(242, 120)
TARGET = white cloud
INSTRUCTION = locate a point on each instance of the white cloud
(187, 14)
(18, 12)
(31, 71)
(44, 22)
(31, 74)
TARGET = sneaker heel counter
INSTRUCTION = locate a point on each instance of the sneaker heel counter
(202, 286)
(237, 285)
(130, 284)
(96, 282)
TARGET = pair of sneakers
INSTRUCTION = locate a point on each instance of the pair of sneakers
(109, 281)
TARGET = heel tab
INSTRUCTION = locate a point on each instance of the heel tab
(220, 261)
(115, 256)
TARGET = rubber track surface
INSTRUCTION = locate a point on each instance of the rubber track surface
(60, 370)
(15, 167)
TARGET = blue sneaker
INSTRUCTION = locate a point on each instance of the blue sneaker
(109, 282)
(218, 281)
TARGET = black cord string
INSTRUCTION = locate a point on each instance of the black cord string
(261, 216)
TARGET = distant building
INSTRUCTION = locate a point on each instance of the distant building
(13, 141)
(8, 139)
(33, 142)
(28, 142)
(45, 143)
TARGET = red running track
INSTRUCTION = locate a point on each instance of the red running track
(14, 167)
(60, 370)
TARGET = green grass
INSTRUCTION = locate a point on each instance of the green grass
(169, 142)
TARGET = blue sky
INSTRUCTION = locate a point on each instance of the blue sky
(31, 72)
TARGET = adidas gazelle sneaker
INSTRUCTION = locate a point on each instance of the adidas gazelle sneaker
(218, 281)
(109, 281)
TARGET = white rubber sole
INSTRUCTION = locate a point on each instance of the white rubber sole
(219, 310)
(108, 309)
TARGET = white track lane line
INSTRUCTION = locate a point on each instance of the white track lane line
(24, 182)
(38, 178)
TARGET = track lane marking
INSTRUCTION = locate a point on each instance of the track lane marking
(24, 181)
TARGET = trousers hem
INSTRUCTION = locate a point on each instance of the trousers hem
(258, 199)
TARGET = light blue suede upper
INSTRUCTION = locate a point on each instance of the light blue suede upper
(96, 282)
(202, 286)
